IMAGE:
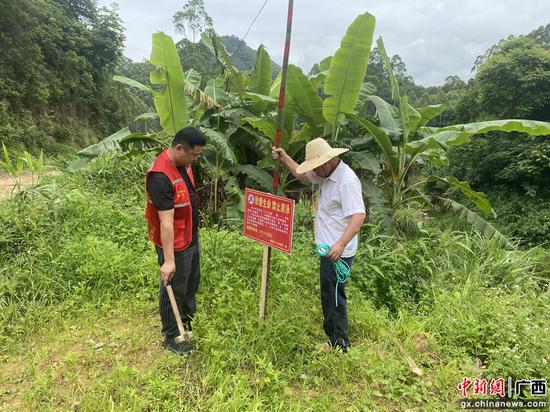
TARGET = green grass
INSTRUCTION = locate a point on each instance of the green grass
(79, 323)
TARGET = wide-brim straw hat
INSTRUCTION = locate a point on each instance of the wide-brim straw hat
(318, 152)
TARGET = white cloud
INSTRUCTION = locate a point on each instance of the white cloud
(434, 38)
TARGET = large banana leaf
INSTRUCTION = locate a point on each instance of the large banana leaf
(106, 145)
(276, 86)
(216, 47)
(382, 139)
(261, 98)
(193, 77)
(266, 126)
(262, 178)
(367, 161)
(133, 83)
(429, 112)
(147, 116)
(386, 113)
(532, 127)
(260, 80)
(235, 201)
(442, 140)
(348, 68)
(325, 64)
(269, 128)
(139, 143)
(366, 90)
(478, 198)
(393, 80)
(220, 142)
(214, 89)
(305, 97)
(481, 225)
(378, 205)
(170, 102)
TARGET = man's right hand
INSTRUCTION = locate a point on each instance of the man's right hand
(167, 271)
(277, 153)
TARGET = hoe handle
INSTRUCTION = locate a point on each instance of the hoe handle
(175, 308)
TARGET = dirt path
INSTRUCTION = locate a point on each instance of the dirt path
(7, 183)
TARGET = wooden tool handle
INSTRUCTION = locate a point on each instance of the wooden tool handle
(175, 308)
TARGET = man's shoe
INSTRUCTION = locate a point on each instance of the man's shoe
(177, 348)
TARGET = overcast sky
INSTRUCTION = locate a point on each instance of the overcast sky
(435, 38)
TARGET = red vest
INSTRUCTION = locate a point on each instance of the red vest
(183, 214)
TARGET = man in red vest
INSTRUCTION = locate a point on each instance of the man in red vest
(172, 215)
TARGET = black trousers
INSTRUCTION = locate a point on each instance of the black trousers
(185, 284)
(335, 317)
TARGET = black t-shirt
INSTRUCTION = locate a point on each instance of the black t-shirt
(162, 195)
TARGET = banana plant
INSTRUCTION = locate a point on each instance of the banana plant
(404, 141)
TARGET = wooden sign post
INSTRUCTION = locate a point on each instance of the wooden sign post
(268, 219)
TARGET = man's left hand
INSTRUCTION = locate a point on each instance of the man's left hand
(335, 252)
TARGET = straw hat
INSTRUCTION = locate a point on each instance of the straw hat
(318, 152)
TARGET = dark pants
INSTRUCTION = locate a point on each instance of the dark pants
(185, 284)
(335, 318)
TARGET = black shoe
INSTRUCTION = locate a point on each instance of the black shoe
(177, 348)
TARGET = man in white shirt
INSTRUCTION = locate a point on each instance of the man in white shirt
(340, 215)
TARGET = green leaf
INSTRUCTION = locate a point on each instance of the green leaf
(214, 44)
(378, 205)
(531, 127)
(481, 225)
(304, 96)
(347, 69)
(170, 102)
(193, 77)
(367, 161)
(260, 81)
(366, 90)
(141, 143)
(29, 161)
(305, 133)
(147, 116)
(324, 64)
(220, 142)
(235, 204)
(276, 86)
(261, 98)
(396, 97)
(382, 139)
(316, 79)
(20, 164)
(7, 158)
(133, 83)
(414, 118)
(9, 168)
(266, 126)
(259, 176)
(440, 140)
(385, 112)
(214, 89)
(429, 112)
(107, 144)
(479, 198)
